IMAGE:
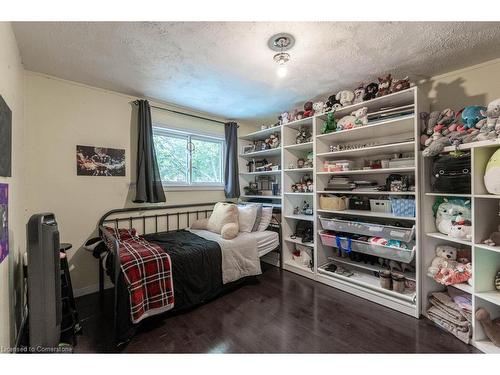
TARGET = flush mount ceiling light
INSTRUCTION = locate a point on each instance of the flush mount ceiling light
(280, 43)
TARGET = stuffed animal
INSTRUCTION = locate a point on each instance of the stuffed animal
(273, 141)
(345, 97)
(493, 239)
(461, 228)
(308, 109)
(284, 118)
(332, 104)
(444, 255)
(318, 108)
(448, 210)
(384, 85)
(400, 84)
(471, 115)
(492, 174)
(330, 124)
(303, 136)
(492, 115)
(354, 120)
(298, 115)
(371, 91)
(490, 327)
(359, 92)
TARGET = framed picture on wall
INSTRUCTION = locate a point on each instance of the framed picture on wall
(5, 139)
(4, 221)
(99, 161)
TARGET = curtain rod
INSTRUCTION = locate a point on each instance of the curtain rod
(183, 113)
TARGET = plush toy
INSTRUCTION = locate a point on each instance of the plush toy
(400, 84)
(461, 228)
(448, 210)
(354, 120)
(492, 174)
(359, 92)
(308, 109)
(471, 115)
(371, 91)
(273, 141)
(297, 115)
(497, 281)
(332, 104)
(444, 255)
(284, 118)
(303, 136)
(345, 97)
(318, 108)
(330, 124)
(493, 239)
(490, 327)
(384, 85)
(492, 115)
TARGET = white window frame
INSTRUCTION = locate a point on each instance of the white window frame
(173, 186)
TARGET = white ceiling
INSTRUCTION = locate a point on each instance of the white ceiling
(226, 68)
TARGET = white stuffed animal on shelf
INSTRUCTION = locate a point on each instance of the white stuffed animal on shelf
(345, 97)
(354, 120)
(461, 228)
(445, 255)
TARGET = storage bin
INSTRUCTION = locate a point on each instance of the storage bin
(380, 205)
(347, 245)
(403, 207)
(333, 202)
(402, 163)
(359, 203)
(368, 229)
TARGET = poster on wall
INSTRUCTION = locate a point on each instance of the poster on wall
(99, 161)
(5, 139)
(4, 221)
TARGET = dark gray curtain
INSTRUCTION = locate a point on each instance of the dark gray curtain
(149, 187)
(231, 180)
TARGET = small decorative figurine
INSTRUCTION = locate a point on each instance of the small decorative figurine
(306, 209)
(384, 85)
(308, 109)
(296, 210)
(300, 163)
(371, 91)
(303, 136)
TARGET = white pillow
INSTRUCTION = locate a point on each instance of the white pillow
(246, 217)
(265, 220)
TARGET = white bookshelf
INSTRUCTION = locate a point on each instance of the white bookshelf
(485, 259)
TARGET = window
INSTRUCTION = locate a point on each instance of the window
(186, 159)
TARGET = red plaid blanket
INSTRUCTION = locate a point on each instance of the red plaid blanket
(147, 271)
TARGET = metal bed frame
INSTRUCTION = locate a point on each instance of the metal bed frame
(143, 216)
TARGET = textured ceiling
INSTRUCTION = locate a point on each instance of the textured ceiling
(226, 68)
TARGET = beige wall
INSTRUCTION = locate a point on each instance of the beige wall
(61, 114)
(474, 85)
(11, 88)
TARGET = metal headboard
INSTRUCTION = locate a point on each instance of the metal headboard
(118, 218)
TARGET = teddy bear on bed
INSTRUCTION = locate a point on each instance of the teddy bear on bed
(223, 221)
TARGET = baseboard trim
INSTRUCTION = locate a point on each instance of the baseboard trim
(90, 289)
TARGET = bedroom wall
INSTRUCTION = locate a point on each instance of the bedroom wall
(61, 114)
(11, 88)
(474, 85)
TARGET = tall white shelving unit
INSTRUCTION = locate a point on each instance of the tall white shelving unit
(398, 135)
(275, 156)
(485, 259)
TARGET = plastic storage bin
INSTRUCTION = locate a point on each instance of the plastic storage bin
(368, 229)
(346, 245)
(380, 205)
(403, 207)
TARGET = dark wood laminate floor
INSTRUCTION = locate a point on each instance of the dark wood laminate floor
(279, 312)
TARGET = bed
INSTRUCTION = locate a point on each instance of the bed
(200, 261)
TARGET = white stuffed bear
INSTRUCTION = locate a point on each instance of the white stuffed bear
(354, 120)
(319, 108)
(345, 97)
(445, 255)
